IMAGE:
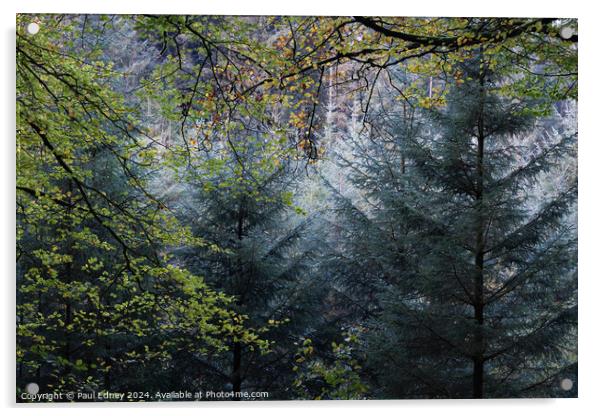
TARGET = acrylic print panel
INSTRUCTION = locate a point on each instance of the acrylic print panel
(291, 208)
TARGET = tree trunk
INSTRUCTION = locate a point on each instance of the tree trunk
(478, 358)
(236, 369)
(237, 346)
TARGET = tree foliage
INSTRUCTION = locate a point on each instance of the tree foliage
(209, 202)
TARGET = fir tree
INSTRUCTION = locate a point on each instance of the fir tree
(239, 200)
(477, 270)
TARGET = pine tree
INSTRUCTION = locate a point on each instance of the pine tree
(239, 200)
(475, 268)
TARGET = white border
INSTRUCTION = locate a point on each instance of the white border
(590, 153)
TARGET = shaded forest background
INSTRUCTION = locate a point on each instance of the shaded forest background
(315, 207)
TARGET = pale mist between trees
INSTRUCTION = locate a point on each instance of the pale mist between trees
(291, 208)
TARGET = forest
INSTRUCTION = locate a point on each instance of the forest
(295, 207)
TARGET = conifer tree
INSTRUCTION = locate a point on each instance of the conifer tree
(239, 200)
(476, 267)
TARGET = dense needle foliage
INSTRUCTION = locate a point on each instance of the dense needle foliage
(316, 208)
